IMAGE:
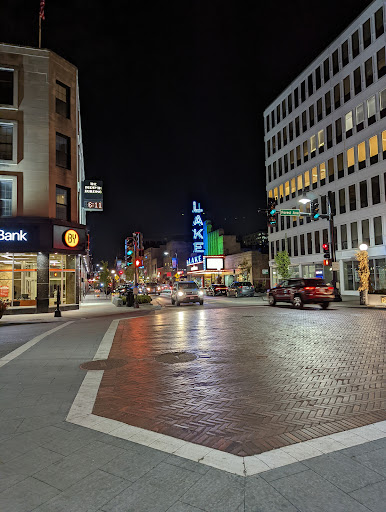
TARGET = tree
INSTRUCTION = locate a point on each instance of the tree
(364, 275)
(245, 268)
(283, 263)
(104, 275)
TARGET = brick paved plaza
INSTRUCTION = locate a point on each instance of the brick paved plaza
(262, 378)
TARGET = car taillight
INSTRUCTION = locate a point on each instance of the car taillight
(310, 287)
(330, 288)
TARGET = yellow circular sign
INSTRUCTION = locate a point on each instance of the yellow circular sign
(71, 238)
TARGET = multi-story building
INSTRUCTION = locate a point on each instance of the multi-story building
(43, 239)
(325, 138)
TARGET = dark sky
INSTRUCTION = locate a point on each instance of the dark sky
(172, 95)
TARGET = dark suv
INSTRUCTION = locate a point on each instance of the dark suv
(241, 289)
(300, 291)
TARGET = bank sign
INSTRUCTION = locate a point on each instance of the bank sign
(93, 196)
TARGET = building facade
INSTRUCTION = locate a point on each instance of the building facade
(325, 140)
(43, 239)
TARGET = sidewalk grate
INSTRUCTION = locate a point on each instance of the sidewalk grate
(103, 364)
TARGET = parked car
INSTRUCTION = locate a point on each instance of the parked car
(166, 288)
(186, 291)
(153, 288)
(300, 291)
(241, 289)
(216, 289)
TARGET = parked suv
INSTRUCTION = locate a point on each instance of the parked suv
(241, 289)
(300, 291)
(216, 289)
(186, 291)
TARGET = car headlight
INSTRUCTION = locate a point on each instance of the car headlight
(200, 293)
(180, 294)
(158, 288)
(148, 289)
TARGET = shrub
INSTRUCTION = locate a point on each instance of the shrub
(3, 306)
(143, 299)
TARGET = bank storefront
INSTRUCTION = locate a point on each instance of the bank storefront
(38, 257)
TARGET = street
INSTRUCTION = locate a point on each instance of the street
(229, 406)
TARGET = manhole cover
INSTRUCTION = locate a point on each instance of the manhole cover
(175, 357)
(103, 364)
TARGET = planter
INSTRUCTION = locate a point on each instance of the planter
(376, 299)
(363, 298)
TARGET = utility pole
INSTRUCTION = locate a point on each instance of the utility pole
(333, 252)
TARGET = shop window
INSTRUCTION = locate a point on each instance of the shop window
(300, 184)
(331, 172)
(373, 148)
(289, 103)
(360, 117)
(291, 132)
(350, 160)
(63, 151)
(62, 99)
(305, 151)
(63, 203)
(378, 18)
(351, 276)
(322, 174)
(307, 181)
(369, 79)
(326, 70)
(361, 155)
(337, 96)
(366, 231)
(309, 243)
(6, 141)
(354, 235)
(284, 136)
(327, 102)
(342, 200)
(314, 175)
(18, 279)
(382, 103)
(302, 247)
(6, 87)
(293, 187)
(296, 252)
(379, 274)
(286, 163)
(338, 130)
(62, 276)
(318, 78)
(355, 44)
(303, 91)
(378, 239)
(371, 109)
(375, 190)
(298, 156)
(366, 32)
(357, 81)
(297, 126)
(363, 193)
(311, 114)
(317, 242)
(381, 67)
(283, 108)
(352, 198)
(329, 136)
(346, 89)
(319, 109)
(296, 97)
(348, 121)
(6, 197)
(343, 236)
(340, 165)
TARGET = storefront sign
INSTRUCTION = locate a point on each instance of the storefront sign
(194, 260)
(214, 263)
(319, 273)
(198, 229)
(93, 196)
(19, 236)
(69, 238)
(4, 291)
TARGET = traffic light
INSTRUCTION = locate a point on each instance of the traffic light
(315, 210)
(272, 213)
(326, 255)
(137, 239)
(138, 262)
(129, 250)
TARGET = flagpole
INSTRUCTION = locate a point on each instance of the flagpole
(40, 31)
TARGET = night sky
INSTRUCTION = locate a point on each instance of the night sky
(172, 96)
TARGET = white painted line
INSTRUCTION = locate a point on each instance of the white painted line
(18, 351)
(81, 414)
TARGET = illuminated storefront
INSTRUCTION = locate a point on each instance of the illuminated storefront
(36, 259)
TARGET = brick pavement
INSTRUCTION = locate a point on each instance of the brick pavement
(263, 378)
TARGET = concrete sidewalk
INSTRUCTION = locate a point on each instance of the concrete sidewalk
(50, 465)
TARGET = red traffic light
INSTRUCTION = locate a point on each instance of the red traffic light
(327, 263)
(120, 272)
(325, 247)
(138, 263)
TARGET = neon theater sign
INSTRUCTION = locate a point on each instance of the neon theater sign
(196, 262)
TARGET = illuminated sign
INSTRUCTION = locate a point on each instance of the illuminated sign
(71, 238)
(198, 229)
(13, 236)
(93, 195)
(194, 260)
(214, 263)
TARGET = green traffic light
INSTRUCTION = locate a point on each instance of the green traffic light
(129, 253)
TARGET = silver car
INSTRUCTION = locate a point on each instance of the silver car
(241, 289)
(186, 291)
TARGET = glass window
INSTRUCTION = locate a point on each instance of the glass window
(384, 143)
(382, 102)
(329, 136)
(268, 148)
(363, 193)
(62, 100)
(296, 246)
(311, 114)
(322, 173)
(348, 122)
(296, 97)
(352, 198)
(287, 189)
(378, 17)
(313, 144)
(346, 88)
(293, 187)
(289, 103)
(6, 141)
(18, 279)
(284, 136)
(381, 68)
(378, 230)
(335, 62)
(314, 174)
(337, 95)
(273, 142)
(357, 81)
(278, 113)
(304, 121)
(365, 232)
(62, 203)
(343, 236)
(275, 193)
(298, 156)
(360, 116)
(361, 155)
(305, 150)
(297, 126)
(267, 124)
(345, 53)
(62, 276)
(318, 78)
(292, 159)
(350, 160)
(302, 248)
(330, 167)
(319, 109)
(355, 43)
(369, 71)
(283, 108)
(354, 235)
(373, 147)
(327, 101)
(6, 86)
(279, 140)
(63, 151)
(340, 166)
(317, 241)
(285, 163)
(371, 107)
(291, 131)
(320, 139)
(281, 193)
(342, 200)
(310, 85)
(338, 130)
(307, 181)
(273, 118)
(375, 190)
(326, 70)
(303, 90)
(366, 31)
(6, 198)
(300, 184)
(309, 243)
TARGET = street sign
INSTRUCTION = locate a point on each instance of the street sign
(289, 212)
(335, 266)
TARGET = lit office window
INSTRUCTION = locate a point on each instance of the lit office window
(373, 148)
(275, 193)
(361, 155)
(322, 174)
(307, 181)
(313, 145)
(300, 185)
(340, 165)
(62, 203)
(371, 110)
(330, 168)
(305, 151)
(314, 173)
(360, 117)
(270, 194)
(321, 140)
(293, 187)
(384, 143)
(348, 123)
(287, 190)
(350, 160)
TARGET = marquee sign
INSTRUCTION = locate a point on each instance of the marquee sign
(93, 195)
(194, 260)
(198, 229)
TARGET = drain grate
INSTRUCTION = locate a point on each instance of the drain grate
(176, 357)
(103, 364)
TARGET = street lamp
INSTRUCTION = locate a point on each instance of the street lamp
(363, 247)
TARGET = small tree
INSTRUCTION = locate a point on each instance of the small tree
(283, 263)
(245, 268)
(364, 275)
(104, 275)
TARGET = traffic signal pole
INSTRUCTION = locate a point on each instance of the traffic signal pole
(136, 251)
(333, 255)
